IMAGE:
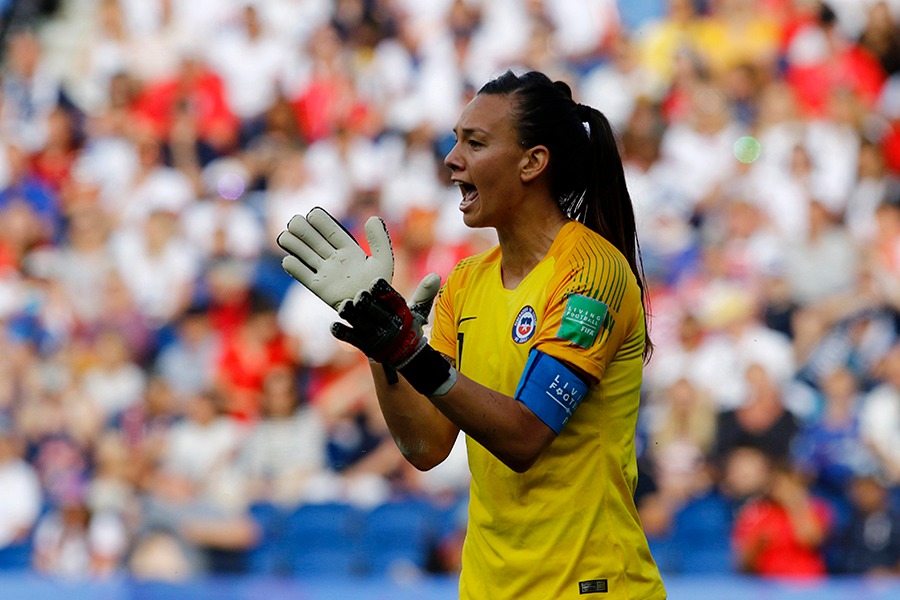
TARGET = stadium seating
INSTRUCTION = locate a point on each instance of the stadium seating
(16, 557)
(398, 535)
(322, 540)
(699, 541)
(337, 539)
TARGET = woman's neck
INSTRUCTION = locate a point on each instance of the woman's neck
(524, 243)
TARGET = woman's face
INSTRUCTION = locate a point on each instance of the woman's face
(486, 161)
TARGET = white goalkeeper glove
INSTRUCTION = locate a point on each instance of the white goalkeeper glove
(325, 258)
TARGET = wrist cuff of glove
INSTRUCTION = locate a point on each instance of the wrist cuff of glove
(429, 373)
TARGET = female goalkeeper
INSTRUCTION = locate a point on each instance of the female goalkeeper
(536, 352)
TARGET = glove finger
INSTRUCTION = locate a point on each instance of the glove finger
(299, 270)
(426, 290)
(380, 245)
(367, 308)
(423, 298)
(301, 228)
(388, 297)
(347, 310)
(299, 248)
(362, 312)
(330, 229)
(346, 334)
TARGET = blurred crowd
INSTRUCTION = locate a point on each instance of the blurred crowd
(161, 374)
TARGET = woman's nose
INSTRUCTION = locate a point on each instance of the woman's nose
(452, 159)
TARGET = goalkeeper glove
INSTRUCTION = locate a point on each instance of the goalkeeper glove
(324, 257)
(389, 331)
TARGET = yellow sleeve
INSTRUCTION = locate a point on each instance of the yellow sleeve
(592, 309)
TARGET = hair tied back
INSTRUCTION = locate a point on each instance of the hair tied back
(584, 115)
(563, 88)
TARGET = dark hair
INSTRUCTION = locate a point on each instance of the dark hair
(586, 173)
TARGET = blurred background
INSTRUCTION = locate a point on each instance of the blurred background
(174, 414)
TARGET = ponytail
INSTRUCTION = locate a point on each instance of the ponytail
(606, 206)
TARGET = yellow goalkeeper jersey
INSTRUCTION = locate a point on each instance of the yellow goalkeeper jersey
(568, 527)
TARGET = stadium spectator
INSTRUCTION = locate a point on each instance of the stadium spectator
(158, 35)
(359, 449)
(160, 556)
(325, 99)
(873, 187)
(157, 265)
(192, 102)
(828, 448)
(122, 314)
(144, 429)
(782, 533)
(617, 85)
(684, 353)
(194, 493)
(72, 542)
(111, 489)
(881, 36)
(250, 60)
(761, 422)
(821, 58)
(31, 90)
(153, 186)
(198, 449)
(734, 338)
(21, 504)
(53, 163)
(666, 40)
(81, 265)
(293, 187)
(683, 432)
(825, 262)
(113, 381)
(846, 333)
(708, 129)
(869, 542)
(752, 252)
(885, 250)
(248, 355)
(104, 55)
(277, 142)
(653, 196)
(220, 224)
(880, 416)
(737, 32)
(26, 197)
(187, 362)
(304, 319)
(284, 454)
(744, 475)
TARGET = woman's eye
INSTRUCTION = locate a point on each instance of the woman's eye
(475, 144)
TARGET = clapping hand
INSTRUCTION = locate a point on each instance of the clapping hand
(325, 258)
(383, 326)
(390, 331)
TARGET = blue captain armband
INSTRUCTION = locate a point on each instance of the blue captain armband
(550, 389)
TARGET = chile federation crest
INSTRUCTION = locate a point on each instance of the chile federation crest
(524, 326)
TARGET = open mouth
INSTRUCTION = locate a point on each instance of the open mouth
(469, 194)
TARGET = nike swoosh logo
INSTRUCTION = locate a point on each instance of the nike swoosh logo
(465, 319)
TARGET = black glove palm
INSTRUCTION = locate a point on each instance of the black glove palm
(389, 331)
(383, 326)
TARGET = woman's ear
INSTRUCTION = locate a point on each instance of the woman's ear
(534, 162)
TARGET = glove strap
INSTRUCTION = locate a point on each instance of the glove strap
(390, 374)
(429, 373)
